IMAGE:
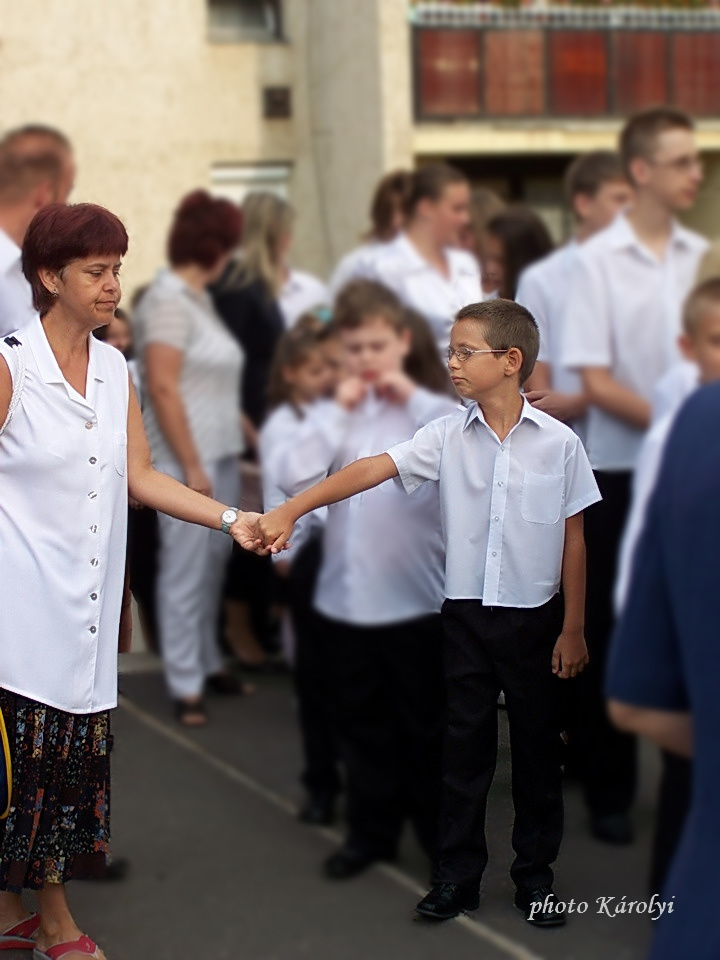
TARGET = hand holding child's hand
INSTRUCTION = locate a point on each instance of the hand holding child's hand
(570, 656)
(395, 386)
(351, 392)
(275, 528)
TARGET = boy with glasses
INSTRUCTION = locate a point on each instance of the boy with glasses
(620, 333)
(513, 483)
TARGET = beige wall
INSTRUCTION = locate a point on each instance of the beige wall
(148, 103)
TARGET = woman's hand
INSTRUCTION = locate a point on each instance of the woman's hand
(197, 479)
(245, 532)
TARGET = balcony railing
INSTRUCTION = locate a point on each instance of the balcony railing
(482, 60)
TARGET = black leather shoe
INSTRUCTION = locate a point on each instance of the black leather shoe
(614, 828)
(539, 907)
(345, 864)
(447, 900)
(318, 810)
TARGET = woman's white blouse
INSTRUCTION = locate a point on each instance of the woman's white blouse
(63, 529)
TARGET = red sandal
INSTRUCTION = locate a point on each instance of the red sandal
(22, 935)
(84, 946)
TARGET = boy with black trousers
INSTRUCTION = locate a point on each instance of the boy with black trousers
(513, 483)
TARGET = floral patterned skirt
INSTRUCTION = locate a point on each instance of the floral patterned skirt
(59, 822)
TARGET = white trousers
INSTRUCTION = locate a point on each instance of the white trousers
(191, 572)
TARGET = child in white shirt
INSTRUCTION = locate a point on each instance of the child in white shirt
(513, 483)
(380, 586)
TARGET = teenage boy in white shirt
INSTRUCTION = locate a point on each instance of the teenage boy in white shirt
(513, 483)
(596, 189)
(621, 333)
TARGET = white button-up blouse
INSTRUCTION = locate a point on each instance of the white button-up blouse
(63, 529)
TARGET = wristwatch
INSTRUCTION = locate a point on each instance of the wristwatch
(228, 518)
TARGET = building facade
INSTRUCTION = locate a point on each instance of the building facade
(317, 98)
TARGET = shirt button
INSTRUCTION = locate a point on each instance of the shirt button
(496, 518)
(93, 596)
(500, 483)
(92, 494)
(89, 425)
(94, 528)
(93, 629)
(93, 460)
(94, 562)
(494, 553)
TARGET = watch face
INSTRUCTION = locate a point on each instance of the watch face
(229, 517)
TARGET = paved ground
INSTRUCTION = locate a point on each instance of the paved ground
(221, 869)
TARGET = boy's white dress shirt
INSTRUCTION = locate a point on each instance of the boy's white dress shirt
(503, 505)
(399, 266)
(673, 389)
(543, 290)
(623, 314)
(383, 555)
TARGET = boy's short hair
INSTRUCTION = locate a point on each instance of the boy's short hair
(590, 171)
(361, 300)
(506, 324)
(639, 135)
(703, 298)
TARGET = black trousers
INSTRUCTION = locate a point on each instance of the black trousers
(489, 649)
(388, 705)
(608, 758)
(313, 685)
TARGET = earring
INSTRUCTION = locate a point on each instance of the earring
(54, 293)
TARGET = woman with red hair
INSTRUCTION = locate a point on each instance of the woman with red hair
(191, 370)
(72, 447)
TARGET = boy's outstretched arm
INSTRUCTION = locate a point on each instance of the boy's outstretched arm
(570, 654)
(275, 527)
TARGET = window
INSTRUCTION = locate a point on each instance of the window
(234, 181)
(233, 21)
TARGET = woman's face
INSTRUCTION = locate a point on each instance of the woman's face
(88, 289)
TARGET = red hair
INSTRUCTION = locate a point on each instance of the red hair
(61, 233)
(205, 228)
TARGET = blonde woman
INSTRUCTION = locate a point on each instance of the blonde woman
(247, 299)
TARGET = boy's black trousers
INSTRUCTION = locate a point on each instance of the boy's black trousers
(388, 710)
(489, 649)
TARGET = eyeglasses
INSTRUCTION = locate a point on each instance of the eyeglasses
(681, 164)
(463, 353)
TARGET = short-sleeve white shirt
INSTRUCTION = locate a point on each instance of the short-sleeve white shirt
(503, 504)
(623, 313)
(63, 529)
(355, 265)
(421, 287)
(16, 302)
(301, 293)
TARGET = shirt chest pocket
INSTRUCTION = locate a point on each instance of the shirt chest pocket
(542, 497)
(120, 451)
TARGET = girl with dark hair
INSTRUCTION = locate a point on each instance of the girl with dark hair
(191, 370)
(512, 240)
(72, 448)
(424, 266)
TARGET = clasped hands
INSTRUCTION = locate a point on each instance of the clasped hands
(264, 533)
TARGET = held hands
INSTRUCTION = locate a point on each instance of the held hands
(263, 534)
(570, 655)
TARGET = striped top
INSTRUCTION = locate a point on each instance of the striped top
(172, 313)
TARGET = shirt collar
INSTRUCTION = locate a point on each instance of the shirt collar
(528, 412)
(622, 236)
(10, 253)
(45, 359)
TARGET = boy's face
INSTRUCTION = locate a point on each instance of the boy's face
(674, 172)
(598, 211)
(374, 348)
(481, 373)
(703, 347)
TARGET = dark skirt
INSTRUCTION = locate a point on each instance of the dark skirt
(59, 822)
